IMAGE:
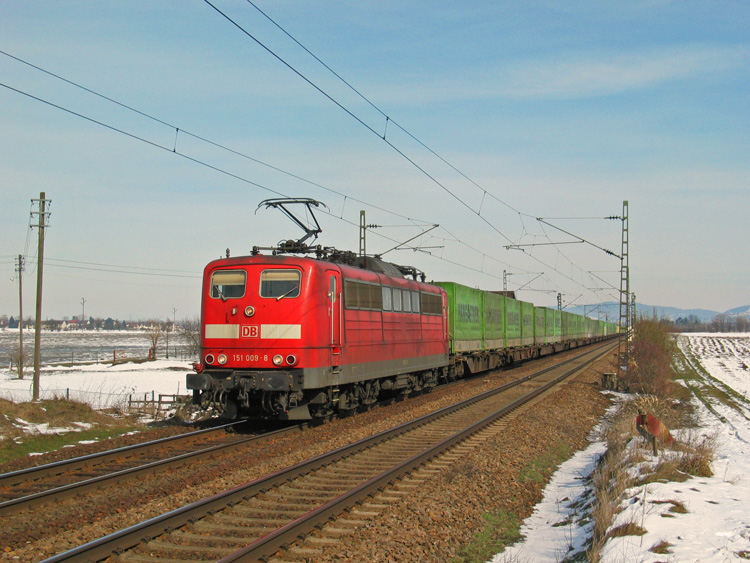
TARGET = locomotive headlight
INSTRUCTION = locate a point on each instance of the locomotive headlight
(277, 360)
(249, 311)
(210, 359)
(291, 359)
(222, 359)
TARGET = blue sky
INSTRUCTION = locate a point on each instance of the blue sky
(548, 110)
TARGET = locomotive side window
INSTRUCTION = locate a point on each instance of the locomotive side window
(415, 302)
(228, 284)
(396, 299)
(376, 297)
(363, 295)
(351, 294)
(387, 299)
(432, 304)
(406, 300)
(280, 284)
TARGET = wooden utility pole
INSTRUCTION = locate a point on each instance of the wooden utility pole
(42, 216)
(19, 270)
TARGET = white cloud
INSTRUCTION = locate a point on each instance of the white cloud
(608, 73)
(573, 75)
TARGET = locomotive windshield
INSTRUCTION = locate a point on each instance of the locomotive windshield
(228, 284)
(280, 283)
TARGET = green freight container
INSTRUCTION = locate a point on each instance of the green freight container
(494, 321)
(465, 309)
(512, 322)
(581, 324)
(549, 333)
(527, 323)
(558, 326)
(540, 325)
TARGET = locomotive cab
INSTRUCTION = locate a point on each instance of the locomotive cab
(270, 324)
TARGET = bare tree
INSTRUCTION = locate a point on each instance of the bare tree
(190, 333)
(15, 357)
(154, 332)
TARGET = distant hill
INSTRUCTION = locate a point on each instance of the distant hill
(611, 310)
(744, 310)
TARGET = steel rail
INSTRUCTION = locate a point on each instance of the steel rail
(130, 537)
(72, 489)
(268, 545)
(58, 467)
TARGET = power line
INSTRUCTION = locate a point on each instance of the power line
(177, 130)
(116, 281)
(110, 270)
(220, 170)
(357, 119)
(194, 160)
(121, 266)
(387, 117)
(383, 137)
(204, 139)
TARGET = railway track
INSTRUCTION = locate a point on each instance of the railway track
(35, 486)
(254, 521)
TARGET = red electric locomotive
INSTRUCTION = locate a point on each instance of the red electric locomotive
(294, 337)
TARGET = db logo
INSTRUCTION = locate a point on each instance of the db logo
(249, 331)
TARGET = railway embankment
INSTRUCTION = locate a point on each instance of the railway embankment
(524, 449)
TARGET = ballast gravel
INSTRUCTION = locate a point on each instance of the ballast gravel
(430, 524)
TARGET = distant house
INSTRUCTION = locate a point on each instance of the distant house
(51, 324)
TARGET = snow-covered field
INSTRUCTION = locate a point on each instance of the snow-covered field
(716, 526)
(100, 385)
(87, 345)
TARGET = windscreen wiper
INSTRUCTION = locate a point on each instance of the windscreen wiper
(280, 297)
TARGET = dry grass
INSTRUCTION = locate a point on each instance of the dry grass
(691, 456)
(662, 548)
(17, 442)
(677, 506)
(629, 529)
(610, 482)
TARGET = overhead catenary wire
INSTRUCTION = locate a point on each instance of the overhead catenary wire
(222, 171)
(174, 150)
(388, 119)
(177, 130)
(204, 139)
(356, 118)
(200, 162)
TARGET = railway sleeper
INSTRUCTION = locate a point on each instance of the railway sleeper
(304, 551)
(301, 492)
(226, 530)
(160, 547)
(322, 541)
(282, 512)
(189, 538)
(289, 508)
